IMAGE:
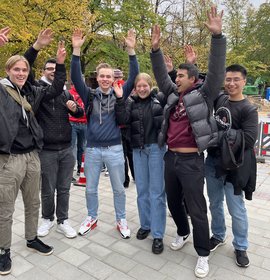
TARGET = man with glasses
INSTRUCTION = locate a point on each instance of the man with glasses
(233, 184)
(57, 160)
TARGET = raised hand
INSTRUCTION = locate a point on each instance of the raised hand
(130, 40)
(61, 53)
(3, 35)
(156, 35)
(77, 38)
(168, 62)
(190, 54)
(118, 89)
(214, 22)
(44, 39)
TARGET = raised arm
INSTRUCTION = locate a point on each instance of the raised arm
(133, 63)
(76, 73)
(217, 56)
(43, 40)
(170, 69)
(165, 84)
(190, 54)
(56, 88)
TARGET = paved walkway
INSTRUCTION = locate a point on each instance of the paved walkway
(102, 254)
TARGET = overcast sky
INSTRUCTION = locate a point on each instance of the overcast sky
(257, 3)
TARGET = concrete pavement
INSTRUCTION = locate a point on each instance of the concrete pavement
(103, 254)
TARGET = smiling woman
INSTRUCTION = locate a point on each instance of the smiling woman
(17, 69)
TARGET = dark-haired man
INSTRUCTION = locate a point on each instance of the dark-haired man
(233, 183)
(188, 132)
(56, 157)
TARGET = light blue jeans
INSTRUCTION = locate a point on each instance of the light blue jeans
(149, 174)
(113, 157)
(235, 203)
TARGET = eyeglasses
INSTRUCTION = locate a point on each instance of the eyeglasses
(234, 80)
(50, 68)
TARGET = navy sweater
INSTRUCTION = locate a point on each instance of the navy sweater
(102, 128)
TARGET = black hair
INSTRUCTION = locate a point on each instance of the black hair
(237, 68)
(192, 70)
(50, 60)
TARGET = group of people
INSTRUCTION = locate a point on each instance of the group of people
(169, 129)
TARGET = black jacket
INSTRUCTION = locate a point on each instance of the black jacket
(53, 118)
(11, 111)
(244, 119)
(52, 113)
(144, 117)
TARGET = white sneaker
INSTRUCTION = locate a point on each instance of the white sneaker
(66, 229)
(179, 242)
(87, 225)
(202, 267)
(123, 228)
(45, 227)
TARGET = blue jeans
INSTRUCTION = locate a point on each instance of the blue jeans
(235, 203)
(151, 200)
(113, 157)
(79, 137)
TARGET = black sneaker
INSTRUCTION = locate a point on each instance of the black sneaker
(241, 258)
(142, 233)
(214, 243)
(38, 246)
(157, 246)
(5, 262)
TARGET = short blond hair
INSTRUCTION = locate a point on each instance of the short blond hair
(14, 59)
(146, 77)
(104, 65)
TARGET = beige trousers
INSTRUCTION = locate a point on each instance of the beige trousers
(19, 171)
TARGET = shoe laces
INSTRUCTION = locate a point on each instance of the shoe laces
(45, 223)
(123, 223)
(88, 220)
(66, 224)
(178, 239)
(202, 263)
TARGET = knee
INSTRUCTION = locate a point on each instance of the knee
(91, 191)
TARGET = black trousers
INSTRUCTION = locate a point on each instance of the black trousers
(127, 155)
(184, 179)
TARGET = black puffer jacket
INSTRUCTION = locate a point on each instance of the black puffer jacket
(144, 117)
